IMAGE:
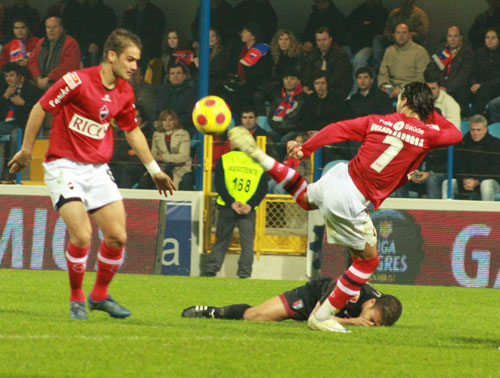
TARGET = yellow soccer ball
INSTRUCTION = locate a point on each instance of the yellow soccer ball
(211, 115)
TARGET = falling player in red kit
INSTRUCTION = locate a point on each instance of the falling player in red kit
(76, 172)
(393, 146)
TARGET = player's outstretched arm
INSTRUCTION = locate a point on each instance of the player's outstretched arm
(139, 144)
(35, 121)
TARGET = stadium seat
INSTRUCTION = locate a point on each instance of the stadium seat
(464, 127)
(331, 164)
(263, 122)
(494, 129)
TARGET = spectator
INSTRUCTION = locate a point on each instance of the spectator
(329, 57)
(22, 10)
(454, 63)
(175, 50)
(99, 20)
(407, 14)
(177, 95)
(325, 15)
(221, 19)
(249, 121)
(286, 51)
(403, 63)
(368, 99)
(70, 12)
(477, 164)
(21, 47)
(125, 165)
(259, 12)
(486, 77)
(145, 95)
(171, 147)
(148, 22)
(236, 205)
(286, 106)
(433, 170)
(484, 21)
(253, 66)
(16, 102)
(54, 55)
(364, 23)
(494, 110)
(320, 107)
(219, 62)
(411, 15)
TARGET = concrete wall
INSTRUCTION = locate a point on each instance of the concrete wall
(293, 14)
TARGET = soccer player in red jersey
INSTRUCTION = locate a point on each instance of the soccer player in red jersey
(84, 103)
(393, 146)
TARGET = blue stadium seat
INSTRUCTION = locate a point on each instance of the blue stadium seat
(494, 129)
(331, 164)
(263, 122)
(464, 127)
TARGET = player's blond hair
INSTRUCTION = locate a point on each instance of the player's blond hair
(119, 40)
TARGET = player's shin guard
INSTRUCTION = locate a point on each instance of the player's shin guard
(348, 286)
(290, 180)
(76, 258)
(108, 261)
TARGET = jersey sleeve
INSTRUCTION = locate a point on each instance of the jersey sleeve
(126, 118)
(448, 134)
(353, 129)
(61, 92)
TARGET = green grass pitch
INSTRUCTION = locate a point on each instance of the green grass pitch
(443, 332)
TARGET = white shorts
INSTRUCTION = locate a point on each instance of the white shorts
(344, 209)
(92, 183)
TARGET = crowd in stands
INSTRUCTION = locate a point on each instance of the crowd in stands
(279, 83)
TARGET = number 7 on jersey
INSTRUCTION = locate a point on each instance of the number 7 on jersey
(395, 145)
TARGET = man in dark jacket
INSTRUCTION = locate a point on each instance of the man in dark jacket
(330, 57)
(16, 102)
(179, 96)
(477, 163)
(148, 22)
(249, 121)
(454, 63)
(325, 14)
(99, 20)
(368, 99)
(320, 107)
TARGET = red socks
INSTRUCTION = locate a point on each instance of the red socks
(350, 283)
(76, 258)
(291, 181)
(108, 261)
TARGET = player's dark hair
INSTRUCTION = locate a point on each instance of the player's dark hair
(419, 99)
(390, 308)
(364, 70)
(119, 40)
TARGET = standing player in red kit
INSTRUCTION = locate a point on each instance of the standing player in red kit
(393, 146)
(76, 172)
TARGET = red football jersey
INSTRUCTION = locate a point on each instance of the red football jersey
(83, 109)
(392, 147)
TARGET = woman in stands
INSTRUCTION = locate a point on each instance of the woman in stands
(486, 79)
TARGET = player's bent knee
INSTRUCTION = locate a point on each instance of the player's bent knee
(81, 238)
(116, 240)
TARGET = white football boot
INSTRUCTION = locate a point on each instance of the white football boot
(328, 325)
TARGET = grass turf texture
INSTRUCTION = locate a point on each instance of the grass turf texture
(443, 332)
